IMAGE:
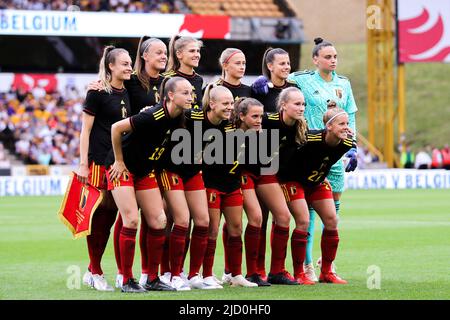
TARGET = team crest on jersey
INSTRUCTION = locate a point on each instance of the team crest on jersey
(157, 97)
(293, 190)
(212, 197)
(175, 180)
(339, 92)
(124, 112)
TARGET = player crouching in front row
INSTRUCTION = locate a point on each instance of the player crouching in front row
(302, 173)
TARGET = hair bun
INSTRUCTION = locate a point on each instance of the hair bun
(331, 104)
(318, 40)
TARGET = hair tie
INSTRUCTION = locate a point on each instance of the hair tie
(229, 57)
(333, 117)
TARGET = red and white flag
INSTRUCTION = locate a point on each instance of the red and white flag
(78, 206)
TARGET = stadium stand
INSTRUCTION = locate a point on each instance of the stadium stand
(41, 131)
(159, 6)
(239, 8)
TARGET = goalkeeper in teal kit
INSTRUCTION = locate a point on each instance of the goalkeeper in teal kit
(320, 87)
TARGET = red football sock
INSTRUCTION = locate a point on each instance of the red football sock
(298, 250)
(127, 243)
(235, 255)
(271, 232)
(261, 262)
(117, 228)
(176, 248)
(280, 239)
(208, 261)
(199, 242)
(225, 248)
(251, 239)
(165, 260)
(102, 222)
(329, 245)
(155, 245)
(143, 245)
(186, 244)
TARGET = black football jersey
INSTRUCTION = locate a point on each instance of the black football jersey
(226, 175)
(256, 158)
(107, 108)
(239, 91)
(197, 85)
(196, 124)
(139, 96)
(270, 99)
(273, 123)
(145, 145)
(310, 163)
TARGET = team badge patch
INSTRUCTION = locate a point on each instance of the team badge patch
(293, 190)
(212, 197)
(175, 180)
(339, 93)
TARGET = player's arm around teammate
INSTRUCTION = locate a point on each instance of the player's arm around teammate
(101, 109)
(132, 180)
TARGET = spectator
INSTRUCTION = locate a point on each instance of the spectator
(446, 157)
(423, 160)
(407, 158)
(38, 92)
(282, 30)
(436, 158)
(364, 157)
(2, 152)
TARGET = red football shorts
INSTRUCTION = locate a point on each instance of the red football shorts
(172, 181)
(97, 176)
(221, 200)
(250, 181)
(129, 180)
(294, 191)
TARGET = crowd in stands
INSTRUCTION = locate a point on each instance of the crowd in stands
(44, 128)
(4, 163)
(430, 157)
(157, 6)
(41, 128)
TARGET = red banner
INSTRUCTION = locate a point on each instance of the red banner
(423, 30)
(206, 27)
(29, 81)
(78, 207)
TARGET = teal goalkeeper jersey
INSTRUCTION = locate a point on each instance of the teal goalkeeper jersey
(317, 91)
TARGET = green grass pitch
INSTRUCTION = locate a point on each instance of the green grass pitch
(394, 245)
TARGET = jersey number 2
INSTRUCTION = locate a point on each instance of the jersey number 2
(236, 163)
